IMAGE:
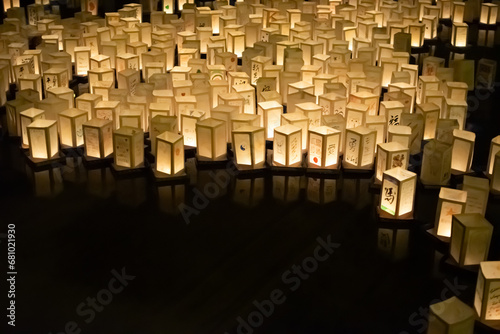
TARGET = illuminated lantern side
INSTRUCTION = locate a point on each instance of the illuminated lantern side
(494, 149)
(436, 163)
(451, 202)
(211, 139)
(390, 155)
(486, 298)
(108, 110)
(426, 83)
(88, 102)
(463, 150)
(226, 113)
(323, 147)
(356, 115)
(459, 34)
(456, 109)
(379, 124)
(64, 93)
(359, 148)
(477, 194)
(249, 145)
(489, 13)
(336, 122)
(31, 81)
(451, 316)
(299, 120)
(27, 117)
(70, 126)
(160, 124)
(270, 112)
(131, 118)
(312, 111)
(42, 138)
(495, 176)
(169, 153)
(398, 192)
(400, 134)
(82, 60)
(287, 146)
(188, 120)
(128, 146)
(430, 112)
(470, 239)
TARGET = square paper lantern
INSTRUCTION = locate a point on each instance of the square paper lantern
(356, 114)
(489, 13)
(287, 146)
(312, 111)
(392, 111)
(400, 134)
(324, 144)
(82, 60)
(55, 77)
(70, 126)
(470, 238)
(211, 139)
(88, 102)
(494, 149)
(436, 163)
(390, 155)
(456, 90)
(98, 138)
(249, 145)
(451, 316)
(398, 192)
(188, 120)
(108, 110)
(456, 109)
(42, 137)
(169, 153)
(270, 112)
(128, 146)
(299, 120)
(430, 111)
(451, 202)
(477, 194)
(131, 118)
(486, 297)
(359, 148)
(426, 83)
(379, 124)
(369, 99)
(459, 34)
(463, 150)
(159, 124)
(64, 93)
(27, 117)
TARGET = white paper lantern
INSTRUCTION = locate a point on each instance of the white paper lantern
(398, 192)
(451, 202)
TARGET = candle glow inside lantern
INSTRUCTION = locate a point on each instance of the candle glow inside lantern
(436, 163)
(98, 138)
(324, 143)
(398, 192)
(211, 139)
(71, 126)
(169, 153)
(430, 111)
(287, 146)
(451, 202)
(451, 316)
(487, 299)
(456, 109)
(82, 60)
(489, 13)
(42, 138)
(312, 111)
(88, 102)
(463, 150)
(359, 148)
(270, 112)
(108, 110)
(459, 34)
(299, 120)
(494, 149)
(249, 145)
(390, 155)
(188, 120)
(477, 194)
(128, 146)
(470, 238)
(27, 117)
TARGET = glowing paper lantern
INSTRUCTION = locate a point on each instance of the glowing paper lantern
(459, 34)
(451, 316)
(400, 134)
(456, 90)
(494, 149)
(359, 148)
(27, 117)
(451, 202)
(70, 126)
(270, 112)
(55, 77)
(299, 120)
(82, 60)
(130, 118)
(128, 146)
(188, 120)
(312, 111)
(392, 111)
(211, 139)
(42, 138)
(489, 13)
(108, 110)
(426, 83)
(477, 194)
(436, 163)
(88, 102)
(463, 150)
(470, 238)
(287, 146)
(63, 93)
(249, 145)
(390, 155)
(430, 112)
(486, 301)
(356, 114)
(398, 192)
(456, 109)
(169, 153)
(323, 147)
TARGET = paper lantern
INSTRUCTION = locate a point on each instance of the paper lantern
(98, 138)
(312, 111)
(169, 153)
(390, 155)
(287, 146)
(70, 126)
(494, 149)
(400, 134)
(249, 145)
(379, 124)
(451, 202)
(451, 316)
(477, 194)
(131, 118)
(188, 120)
(425, 84)
(14, 108)
(463, 150)
(398, 192)
(82, 60)
(128, 79)
(42, 138)
(444, 130)
(470, 238)
(486, 296)
(270, 112)
(128, 146)
(211, 139)
(88, 102)
(100, 74)
(356, 115)
(332, 104)
(336, 122)
(392, 111)
(159, 124)
(456, 90)
(417, 31)
(456, 109)
(436, 163)
(300, 121)
(459, 34)
(247, 92)
(103, 88)
(257, 67)
(489, 13)
(27, 117)
(359, 148)
(430, 112)
(495, 174)
(323, 147)
(108, 110)
(55, 77)
(63, 93)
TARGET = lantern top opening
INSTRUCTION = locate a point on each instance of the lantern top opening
(42, 123)
(490, 269)
(324, 130)
(453, 194)
(400, 173)
(452, 310)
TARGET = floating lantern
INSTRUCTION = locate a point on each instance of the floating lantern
(188, 120)
(169, 153)
(249, 145)
(287, 146)
(70, 126)
(470, 238)
(398, 192)
(270, 112)
(430, 112)
(451, 202)
(299, 120)
(42, 138)
(486, 297)
(128, 146)
(323, 147)
(359, 148)
(211, 139)
(459, 34)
